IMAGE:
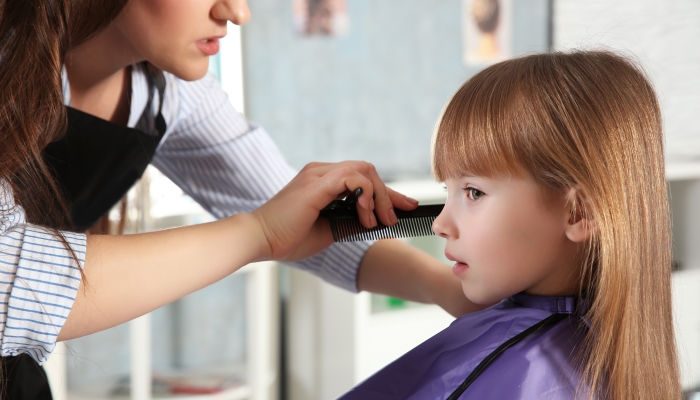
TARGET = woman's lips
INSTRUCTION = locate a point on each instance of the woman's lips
(208, 46)
(459, 268)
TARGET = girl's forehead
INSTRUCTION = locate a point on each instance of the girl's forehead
(489, 175)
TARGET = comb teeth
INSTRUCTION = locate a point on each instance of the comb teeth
(346, 226)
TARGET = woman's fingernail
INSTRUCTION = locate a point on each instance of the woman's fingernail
(392, 216)
(411, 200)
(373, 220)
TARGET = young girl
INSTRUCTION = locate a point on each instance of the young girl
(557, 205)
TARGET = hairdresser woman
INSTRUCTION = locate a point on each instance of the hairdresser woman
(95, 90)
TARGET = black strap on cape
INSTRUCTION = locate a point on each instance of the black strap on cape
(554, 318)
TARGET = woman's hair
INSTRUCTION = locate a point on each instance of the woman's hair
(34, 38)
(588, 120)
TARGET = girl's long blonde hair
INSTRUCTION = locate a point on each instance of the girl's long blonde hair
(591, 120)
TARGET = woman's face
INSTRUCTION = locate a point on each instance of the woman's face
(179, 36)
(505, 238)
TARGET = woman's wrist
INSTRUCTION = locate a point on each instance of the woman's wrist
(248, 236)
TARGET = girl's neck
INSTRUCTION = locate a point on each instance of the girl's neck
(98, 75)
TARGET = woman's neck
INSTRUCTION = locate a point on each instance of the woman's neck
(98, 75)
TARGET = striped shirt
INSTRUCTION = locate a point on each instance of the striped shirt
(39, 279)
(222, 161)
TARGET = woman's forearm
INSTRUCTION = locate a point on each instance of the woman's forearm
(128, 276)
(394, 268)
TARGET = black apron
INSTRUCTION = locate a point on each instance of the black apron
(95, 163)
(98, 161)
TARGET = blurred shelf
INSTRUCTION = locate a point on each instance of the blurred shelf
(258, 375)
(427, 191)
(677, 170)
(102, 392)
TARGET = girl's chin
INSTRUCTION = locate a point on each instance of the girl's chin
(477, 297)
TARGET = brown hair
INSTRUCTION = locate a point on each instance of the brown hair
(589, 120)
(34, 38)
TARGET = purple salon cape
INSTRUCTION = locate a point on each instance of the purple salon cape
(541, 366)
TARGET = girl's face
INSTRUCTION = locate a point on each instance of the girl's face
(179, 36)
(507, 236)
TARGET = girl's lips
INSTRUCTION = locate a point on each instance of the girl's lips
(208, 46)
(459, 269)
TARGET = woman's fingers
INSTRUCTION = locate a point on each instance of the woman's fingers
(383, 208)
(401, 201)
(350, 178)
(380, 199)
(288, 219)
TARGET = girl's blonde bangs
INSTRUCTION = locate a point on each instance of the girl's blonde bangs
(474, 136)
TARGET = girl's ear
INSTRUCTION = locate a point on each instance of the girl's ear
(579, 226)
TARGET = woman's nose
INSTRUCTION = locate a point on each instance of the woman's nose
(442, 226)
(236, 11)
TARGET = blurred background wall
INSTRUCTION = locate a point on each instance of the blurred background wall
(374, 93)
(663, 37)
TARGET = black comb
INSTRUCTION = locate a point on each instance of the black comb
(346, 226)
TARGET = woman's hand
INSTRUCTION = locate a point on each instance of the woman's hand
(290, 222)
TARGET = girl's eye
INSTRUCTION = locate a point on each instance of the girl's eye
(474, 194)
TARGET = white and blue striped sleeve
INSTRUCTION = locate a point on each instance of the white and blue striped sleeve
(39, 279)
(229, 166)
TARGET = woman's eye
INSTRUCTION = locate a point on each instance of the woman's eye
(474, 194)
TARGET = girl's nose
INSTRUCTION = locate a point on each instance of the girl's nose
(442, 226)
(236, 11)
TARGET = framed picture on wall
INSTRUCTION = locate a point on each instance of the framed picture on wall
(320, 17)
(487, 31)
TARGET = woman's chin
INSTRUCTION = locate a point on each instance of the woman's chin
(191, 71)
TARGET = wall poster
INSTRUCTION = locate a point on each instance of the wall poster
(486, 31)
(320, 17)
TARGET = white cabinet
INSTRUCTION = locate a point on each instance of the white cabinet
(685, 207)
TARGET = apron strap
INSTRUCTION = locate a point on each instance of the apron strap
(156, 83)
(554, 318)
